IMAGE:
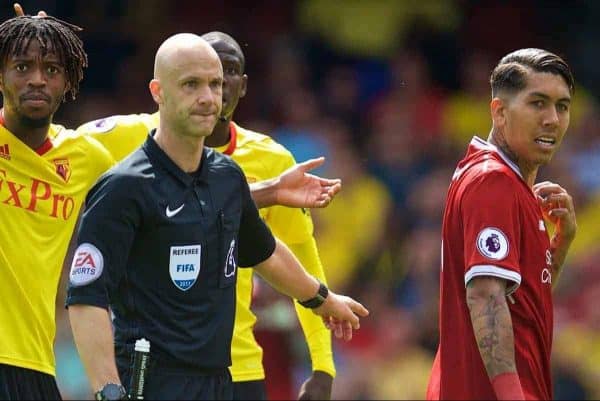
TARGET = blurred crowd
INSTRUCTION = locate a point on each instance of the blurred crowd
(390, 92)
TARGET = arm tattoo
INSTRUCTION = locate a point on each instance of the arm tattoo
(493, 331)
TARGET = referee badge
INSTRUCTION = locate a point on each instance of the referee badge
(184, 265)
(492, 243)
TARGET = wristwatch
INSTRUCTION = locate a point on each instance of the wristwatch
(111, 391)
(318, 299)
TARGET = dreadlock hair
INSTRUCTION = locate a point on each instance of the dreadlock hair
(52, 33)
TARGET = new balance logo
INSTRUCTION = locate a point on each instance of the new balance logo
(4, 152)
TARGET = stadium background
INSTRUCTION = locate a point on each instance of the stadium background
(390, 91)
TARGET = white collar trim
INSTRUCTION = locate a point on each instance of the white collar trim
(481, 144)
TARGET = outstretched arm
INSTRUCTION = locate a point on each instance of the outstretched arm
(295, 187)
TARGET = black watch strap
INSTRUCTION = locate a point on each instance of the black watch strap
(318, 299)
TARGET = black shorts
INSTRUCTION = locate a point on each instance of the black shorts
(18, 383)
(250, 390)
(168, 384)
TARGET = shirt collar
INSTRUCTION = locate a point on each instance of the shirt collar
(479, 143)
(156, 153)
(232, 139)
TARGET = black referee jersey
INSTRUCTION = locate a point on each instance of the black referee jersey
(161, 246)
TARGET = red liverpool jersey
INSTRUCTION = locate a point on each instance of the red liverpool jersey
(493, 226)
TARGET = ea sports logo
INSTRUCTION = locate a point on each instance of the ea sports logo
(84, 259)
(87, 265)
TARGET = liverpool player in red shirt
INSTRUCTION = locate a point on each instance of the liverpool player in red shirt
(498, 262)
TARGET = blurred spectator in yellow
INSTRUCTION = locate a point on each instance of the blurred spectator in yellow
(349, 228)
(582, 162)
(467, 111)
(372, 28)
(577, 343)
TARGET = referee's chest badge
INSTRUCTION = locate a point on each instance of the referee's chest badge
(184, 265)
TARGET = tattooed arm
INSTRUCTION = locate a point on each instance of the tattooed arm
(492, 326)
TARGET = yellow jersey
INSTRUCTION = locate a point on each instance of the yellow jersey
(260, 157)
(41, 193)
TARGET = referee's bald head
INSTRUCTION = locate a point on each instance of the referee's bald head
(188, 85)
(179, 50)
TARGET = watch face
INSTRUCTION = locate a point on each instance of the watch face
(113, 392)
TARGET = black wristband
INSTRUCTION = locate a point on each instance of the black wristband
(318, 299)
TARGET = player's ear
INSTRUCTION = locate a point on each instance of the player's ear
(498, 111)
(67, 89)
(243, 85)
(155, 90)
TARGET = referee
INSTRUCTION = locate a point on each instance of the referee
(160, 240)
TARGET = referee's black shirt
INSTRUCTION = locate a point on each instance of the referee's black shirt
(160, 247)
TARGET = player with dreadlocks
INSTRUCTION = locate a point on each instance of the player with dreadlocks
(51, 33)
(45, 173)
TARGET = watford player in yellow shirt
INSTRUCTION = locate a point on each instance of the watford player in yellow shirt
(260, 158)
(45, 173)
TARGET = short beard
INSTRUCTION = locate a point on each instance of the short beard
(34, 123)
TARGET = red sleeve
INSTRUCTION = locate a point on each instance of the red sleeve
(491, 226)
